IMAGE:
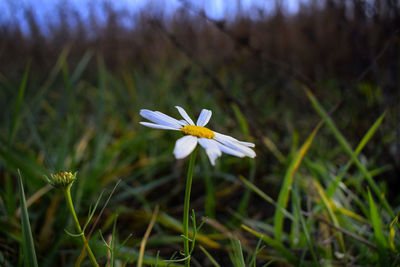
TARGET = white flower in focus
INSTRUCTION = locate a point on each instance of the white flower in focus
(214, 143)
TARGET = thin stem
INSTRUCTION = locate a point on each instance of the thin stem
(67, 193)
(186, 208)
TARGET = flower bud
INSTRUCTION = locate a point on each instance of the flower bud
(62, 179)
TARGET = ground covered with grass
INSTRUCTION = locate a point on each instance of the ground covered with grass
(317, 92)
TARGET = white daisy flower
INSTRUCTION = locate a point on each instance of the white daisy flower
(214, 143)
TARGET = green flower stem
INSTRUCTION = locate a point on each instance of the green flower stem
(67, 192)
(186, 208)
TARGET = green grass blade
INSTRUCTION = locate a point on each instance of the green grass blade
(50, 79)
(15, 120)
(274, 149)
(14, 159)
(242, 208)
(268, 263)
(287, 254)
(9, 195)
(102, 89)
(131, 255)
(81, 67)
(392, 233)
(244, 202)
(213, 261)
(296, 239)
(27, 239)
(264, 196)
(113, 237)
(296, 202)
(63, 149)
(257, 250)
(370, 133)
(241, 119)
(287, 182)
(346, 146)
(378, 233)
(210, 202)
(237, 256)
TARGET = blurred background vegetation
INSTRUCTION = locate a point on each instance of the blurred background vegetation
(71, 89)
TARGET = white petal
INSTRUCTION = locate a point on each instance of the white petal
(168, 118)
(226, 137)
(184, 146)
(185, 115)
(160, 118)
(212, 149)
(241, 148)
(230, 151)
(184, 122)
(204, 117)
(230, 138)
(157, 126)
(234, 144)
(247, 144)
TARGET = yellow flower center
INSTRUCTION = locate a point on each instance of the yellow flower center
(199, 131)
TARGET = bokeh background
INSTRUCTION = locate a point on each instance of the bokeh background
(74, 75)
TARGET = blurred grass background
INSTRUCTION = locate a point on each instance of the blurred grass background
(70, 100)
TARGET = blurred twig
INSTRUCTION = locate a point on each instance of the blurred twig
(379, 55)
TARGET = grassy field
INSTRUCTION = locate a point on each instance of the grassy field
(322, 191)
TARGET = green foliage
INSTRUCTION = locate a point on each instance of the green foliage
(15, 120)
(287, 183)
(237, 254)
(28, 247)
(381, 242)
(300, 202)
(346, 146)
(296, 203)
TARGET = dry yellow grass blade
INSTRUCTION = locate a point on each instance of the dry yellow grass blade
(146, 236)
(330, 207)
